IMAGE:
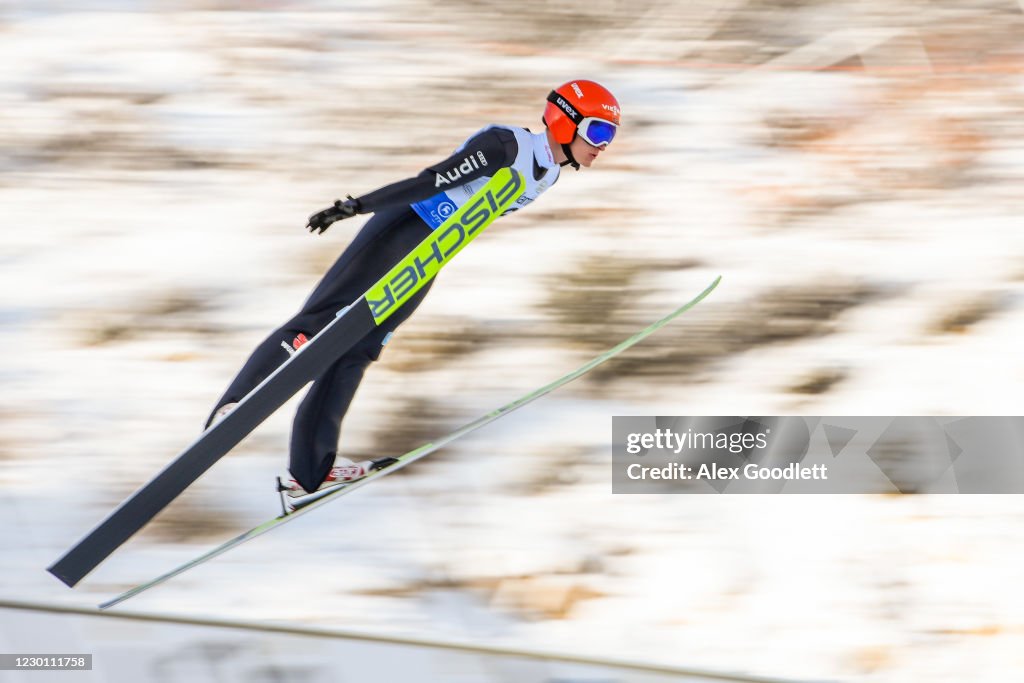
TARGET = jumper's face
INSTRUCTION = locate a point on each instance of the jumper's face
(584, 152)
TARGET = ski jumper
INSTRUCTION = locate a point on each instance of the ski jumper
(404, 214)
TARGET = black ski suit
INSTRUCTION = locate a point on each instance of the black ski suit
(385, 239)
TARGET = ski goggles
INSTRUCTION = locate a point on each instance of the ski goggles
(597, 132)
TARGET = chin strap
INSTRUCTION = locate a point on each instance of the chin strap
(570, 160)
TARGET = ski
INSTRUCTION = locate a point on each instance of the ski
(353, 323)
(414, 455)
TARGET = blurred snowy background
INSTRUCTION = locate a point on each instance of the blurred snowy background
(852, 169)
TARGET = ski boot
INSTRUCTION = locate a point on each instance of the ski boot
(344, 472)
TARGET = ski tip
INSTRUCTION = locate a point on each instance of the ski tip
(707, 290)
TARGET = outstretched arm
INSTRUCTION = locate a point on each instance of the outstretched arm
(482, 155)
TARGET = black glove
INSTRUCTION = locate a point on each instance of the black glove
(322, 220)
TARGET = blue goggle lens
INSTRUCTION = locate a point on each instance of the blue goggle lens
(600, 132)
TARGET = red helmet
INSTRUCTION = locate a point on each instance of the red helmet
(574, 104)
